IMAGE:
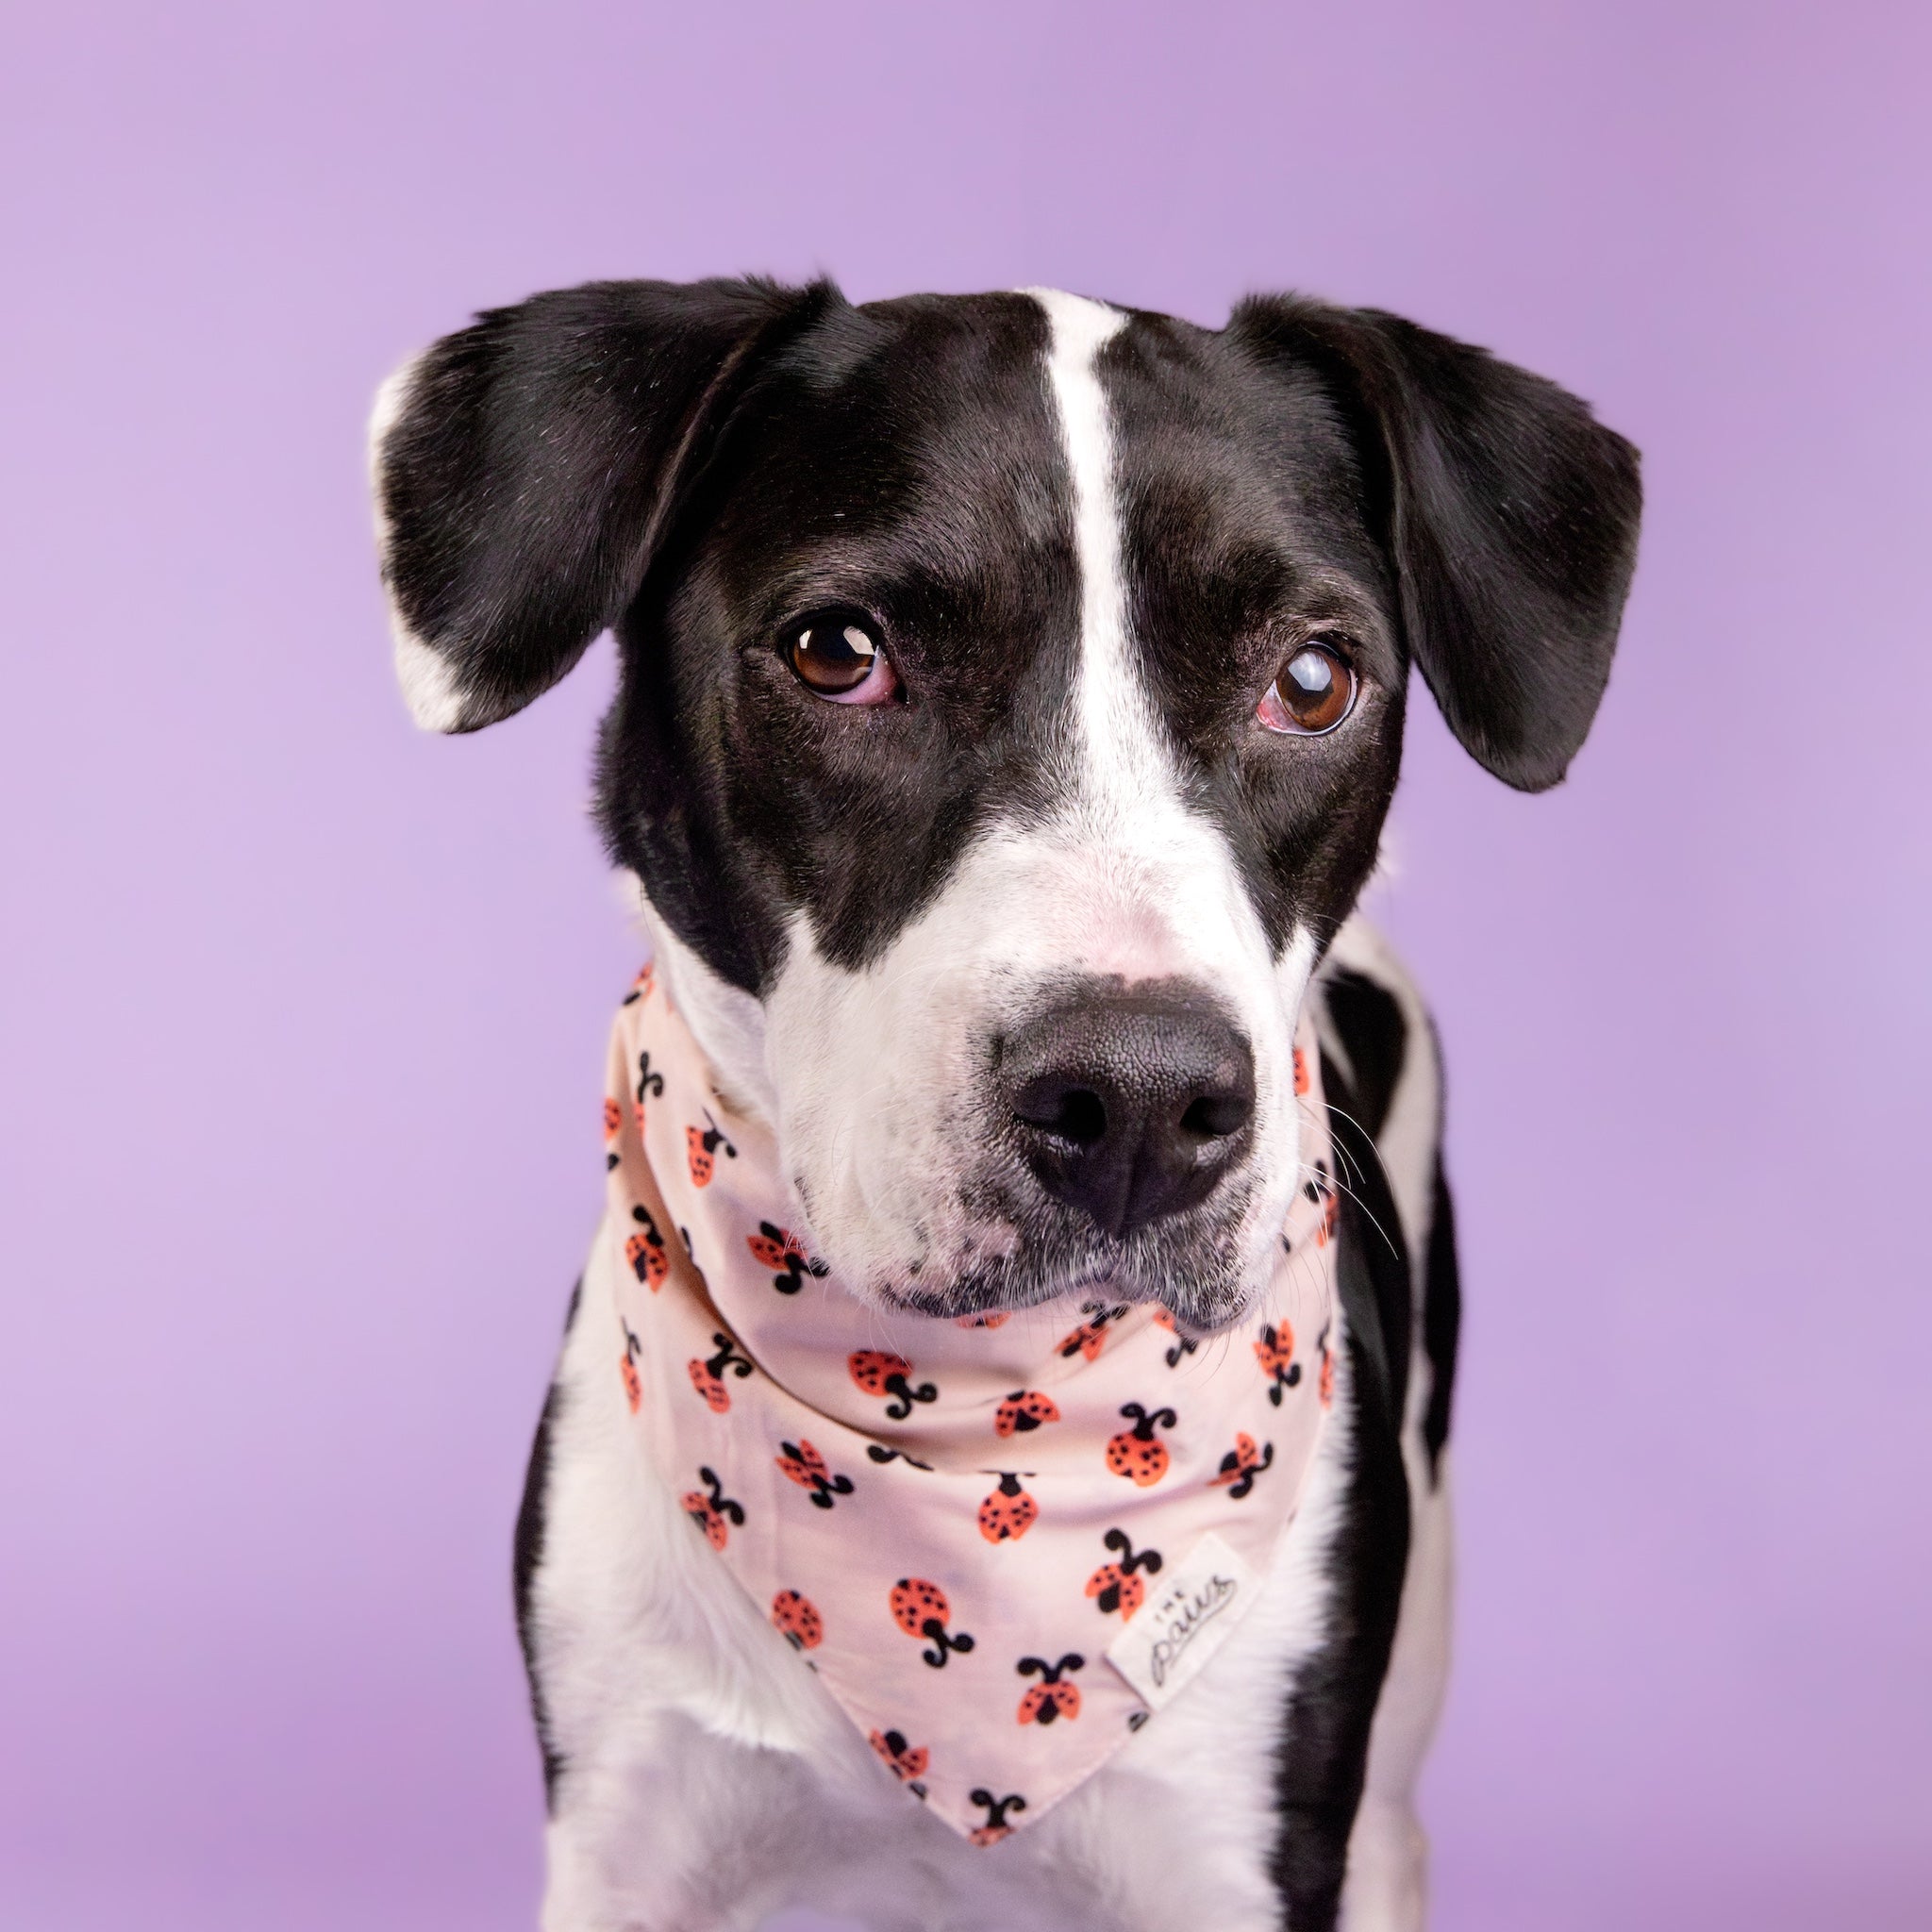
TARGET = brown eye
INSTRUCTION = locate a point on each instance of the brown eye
(1313, 693)
(838, 654)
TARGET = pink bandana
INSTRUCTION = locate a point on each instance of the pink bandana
(1003, 1541)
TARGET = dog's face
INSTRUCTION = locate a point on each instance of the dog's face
(1012, 694)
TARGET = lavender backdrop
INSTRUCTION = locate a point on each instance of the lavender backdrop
(303, 1013)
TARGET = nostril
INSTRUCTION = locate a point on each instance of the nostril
(1215, 1116)
(1069, 1113)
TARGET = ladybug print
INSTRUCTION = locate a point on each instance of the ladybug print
(804, 1465)
(798, 1618)
(1008, 1513)
(1183, 1344)
(879, 1373)
(628, 1363)
(1090, 1337)
(708, 1377)
(711, 1513)
(645, 1251)
(702, 1145)
(1324, 1382)
(906, 1762)
(920, 1608)
(1139, 1453)
(1242, 1465)
(1025, 1410)
(613, 1117)
(640, 986)
(1119, 1586)
(649, 1084)
(1049, 1699)
(778, 1248)
(1275, 1352)
(996, 1826)
(879, 1453)
(1300, 1073)
(993, 1318)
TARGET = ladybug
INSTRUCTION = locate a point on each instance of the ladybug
(1183, 1344)
(1300, 1073)
(1275, 1352)
(880, 1373)
(628, 1363)
(711, 1513)
(708, 1377)
(640, 986)
(613, 1117)
(905, 1761)
(920, 1608)
(1325, 1385)
(1116, 1586)
(1139, 1453)
(996, 1826)
(879, 1453)
(1090, 1335)
(992, 1319)
(1022, 1410)
(803, 1464)
(702, 1145)
(798, 1618)
(1242, 1465)
(778, 1248)
(645, 1251)
(1049, 1698)
(1008, 1513)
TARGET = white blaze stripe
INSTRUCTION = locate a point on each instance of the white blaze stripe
(1119, 755)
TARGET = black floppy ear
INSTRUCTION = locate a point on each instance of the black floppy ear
(523, 468)
(1510, 514)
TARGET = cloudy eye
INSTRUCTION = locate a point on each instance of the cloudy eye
(838, 654)
(1313, 692)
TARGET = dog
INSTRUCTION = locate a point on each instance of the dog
(1011, 696)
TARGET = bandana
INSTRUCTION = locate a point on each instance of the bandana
(1003, 1542)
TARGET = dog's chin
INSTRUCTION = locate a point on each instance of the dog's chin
(1202, 1276)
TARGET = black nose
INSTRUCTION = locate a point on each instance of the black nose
(1130, 1106)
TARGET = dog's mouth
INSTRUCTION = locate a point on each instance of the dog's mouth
(1201, 1274)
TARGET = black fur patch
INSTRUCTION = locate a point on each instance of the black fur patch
(1368, 1018)
(528, 1555)
(1441, 1319)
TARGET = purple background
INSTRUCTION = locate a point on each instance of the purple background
(305, 1012)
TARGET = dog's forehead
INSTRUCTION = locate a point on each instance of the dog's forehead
(926, 439)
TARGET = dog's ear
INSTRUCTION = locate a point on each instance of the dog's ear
(525, 467)
(1509, 512)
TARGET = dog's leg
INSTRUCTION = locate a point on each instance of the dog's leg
(1387, 1853)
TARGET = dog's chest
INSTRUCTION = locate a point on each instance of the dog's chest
(659, 1670)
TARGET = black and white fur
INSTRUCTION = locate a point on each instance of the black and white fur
(1089, 538)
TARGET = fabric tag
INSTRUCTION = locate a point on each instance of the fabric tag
(1176, 1631)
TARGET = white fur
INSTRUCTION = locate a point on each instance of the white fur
(429, 687)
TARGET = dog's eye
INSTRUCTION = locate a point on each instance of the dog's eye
(838, 654)
(1313, 693)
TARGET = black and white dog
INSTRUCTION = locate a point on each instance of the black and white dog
(981, 653)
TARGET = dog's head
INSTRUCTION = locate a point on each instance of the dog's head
(1012, 692)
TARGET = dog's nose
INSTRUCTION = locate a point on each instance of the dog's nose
(1130, 1106)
